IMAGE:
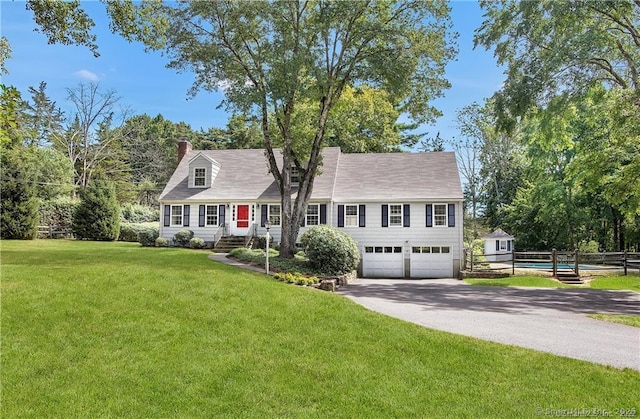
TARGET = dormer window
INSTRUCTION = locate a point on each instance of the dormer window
(199, 176)
(295, 176)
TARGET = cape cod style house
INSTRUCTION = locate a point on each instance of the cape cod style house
(403, 209)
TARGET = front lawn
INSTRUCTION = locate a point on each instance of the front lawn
(117, 330)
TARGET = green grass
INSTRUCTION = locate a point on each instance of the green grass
(117, 330)
(629, 320)
(608, 282)
(518, 281)
(629, 282)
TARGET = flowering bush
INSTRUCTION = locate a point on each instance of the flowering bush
(330, 251)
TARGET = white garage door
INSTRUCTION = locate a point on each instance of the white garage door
(383, 262)
(431, 262)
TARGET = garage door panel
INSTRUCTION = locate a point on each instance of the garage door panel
(431, 262)
(383, 262)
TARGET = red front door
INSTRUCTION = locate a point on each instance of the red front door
(243, 216)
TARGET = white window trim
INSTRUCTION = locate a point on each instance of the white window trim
(204, 178)
(357, 216)
(173, 207)
(446, 215)
(306, 215)
(401, 216)
(269, 206)
(206, 216)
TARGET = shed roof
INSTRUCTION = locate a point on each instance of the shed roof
(498, 234)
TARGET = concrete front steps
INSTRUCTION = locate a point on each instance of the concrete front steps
(228, 243)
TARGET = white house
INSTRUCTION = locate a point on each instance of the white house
(403, 209)
(498, 246)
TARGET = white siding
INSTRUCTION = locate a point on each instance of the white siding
(417, 234)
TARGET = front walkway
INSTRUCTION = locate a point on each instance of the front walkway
(548, 320)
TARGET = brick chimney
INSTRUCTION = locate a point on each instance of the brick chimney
(184, 147)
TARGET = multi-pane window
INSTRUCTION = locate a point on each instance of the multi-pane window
(395, 215)
(199, 176)
(313, 215)
(295, 175)
(212, 215)
(176, 215)
(351, 215)
(440, 215)
(274, 215)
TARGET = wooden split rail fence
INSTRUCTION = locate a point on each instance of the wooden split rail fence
(556, 262)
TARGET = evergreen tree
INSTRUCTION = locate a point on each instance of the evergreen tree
(98, 215)
(18, 204)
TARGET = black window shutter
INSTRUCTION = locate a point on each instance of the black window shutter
(221, 209)
(201, 216)
(323, 213)
(167, 215)
(406, 217)
(263, 215)
(303, 219)
(497, 245)
(185, 216)
(362, 216)
(340, 215)
(509, 245)
(452, 215)
(429, 215)
(385, 215)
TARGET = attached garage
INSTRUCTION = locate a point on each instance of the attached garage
(383, 262)
(431, 262)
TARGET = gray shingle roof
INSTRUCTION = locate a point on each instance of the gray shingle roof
(398, 177)
(498, 234)
(243, 175)
(387, 177)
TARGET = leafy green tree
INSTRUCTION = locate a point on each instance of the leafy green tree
(551, 47)
(269, 57)
(18, 201)
(97, 217)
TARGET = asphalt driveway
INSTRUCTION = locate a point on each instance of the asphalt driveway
(548, 320)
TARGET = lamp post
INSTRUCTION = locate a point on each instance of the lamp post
(267, 225)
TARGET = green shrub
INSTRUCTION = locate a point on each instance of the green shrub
(162, 242)
(196, 243)
(136, 213)
(148, 234)
(182, 237)
(19, 204)
(261, 242)
(129, 232)
(97, 217)
(330, 251)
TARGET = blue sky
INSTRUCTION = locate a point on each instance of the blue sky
(146, 86)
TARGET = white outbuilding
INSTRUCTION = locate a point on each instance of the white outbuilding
(498, 246)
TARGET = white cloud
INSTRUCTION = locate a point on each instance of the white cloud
(87, 75)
